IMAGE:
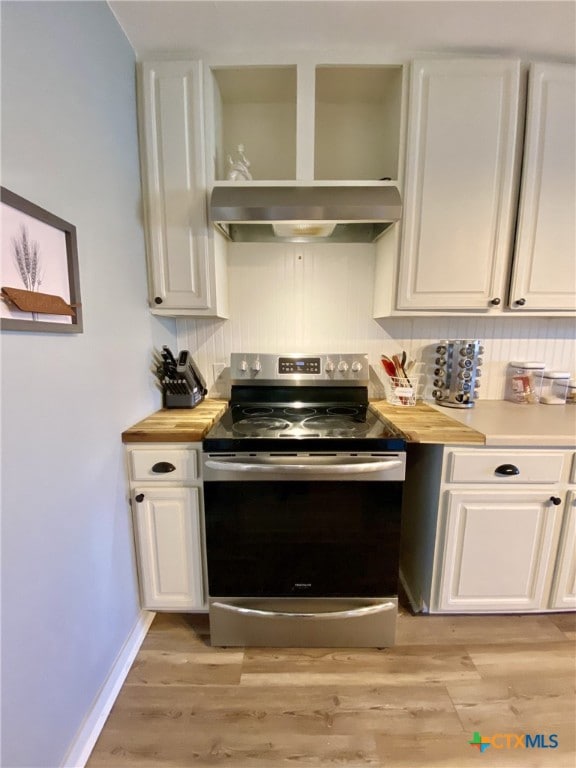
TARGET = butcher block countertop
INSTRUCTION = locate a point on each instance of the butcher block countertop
(177, 425)
(423, 424)
(490, 422)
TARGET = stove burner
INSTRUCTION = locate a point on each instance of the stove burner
(255, 426)
(343, 410)
(299, 411)
(257, 410)
(334, 425)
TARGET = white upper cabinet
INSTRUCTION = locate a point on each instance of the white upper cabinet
(186, 258)
(488, 225)
(544, 266)
(460, 185)
(306, 122)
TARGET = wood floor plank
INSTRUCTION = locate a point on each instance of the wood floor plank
(179, 632)
(221, 667)
(239, 750)
(473, 630)
(523, 659)
(566, 622)
(390, 666)
(306, 710)
(516, 704)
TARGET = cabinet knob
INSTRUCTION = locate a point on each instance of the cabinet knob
(556, 500)
(507, 470)
(495, 301)
(158, 300)
(139, 497)
(520, 302)
(162, 467)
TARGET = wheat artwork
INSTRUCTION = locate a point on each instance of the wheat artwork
(27, 258)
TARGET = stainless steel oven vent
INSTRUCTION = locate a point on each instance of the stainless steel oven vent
(304, 213)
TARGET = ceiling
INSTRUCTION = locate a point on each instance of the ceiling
(525, 28)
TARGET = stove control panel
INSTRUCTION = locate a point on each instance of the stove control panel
(322, 369)
(299, 365)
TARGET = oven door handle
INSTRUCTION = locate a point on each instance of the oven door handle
(314, 469)
(352, 613)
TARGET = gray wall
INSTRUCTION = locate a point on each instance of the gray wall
(69, 591)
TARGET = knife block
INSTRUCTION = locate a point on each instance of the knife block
(185, 400)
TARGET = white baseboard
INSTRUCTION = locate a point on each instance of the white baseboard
(89, 731)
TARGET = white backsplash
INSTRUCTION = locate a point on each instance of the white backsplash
(287, 298)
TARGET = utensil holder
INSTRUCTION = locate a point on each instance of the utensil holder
(403, 390)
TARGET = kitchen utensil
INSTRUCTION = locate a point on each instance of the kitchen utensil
(167, 355)
(389, 366)
(400, 362)
(188, 370)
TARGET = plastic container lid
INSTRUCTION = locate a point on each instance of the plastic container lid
(556, 374)
(529, 364)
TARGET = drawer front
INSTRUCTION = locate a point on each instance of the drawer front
(164, 465)
(507, 467)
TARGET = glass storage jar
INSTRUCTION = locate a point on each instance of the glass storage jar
(554, 387)
(523, 381)
(571, 394)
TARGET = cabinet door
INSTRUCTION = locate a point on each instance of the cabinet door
(498, 552)
(183, 261)
(168, 537)
(564, 590)
(461, 176)
(544, 267)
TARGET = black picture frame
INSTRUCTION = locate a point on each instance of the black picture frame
(62, 261)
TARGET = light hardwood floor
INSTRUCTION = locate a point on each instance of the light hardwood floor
(186, 704)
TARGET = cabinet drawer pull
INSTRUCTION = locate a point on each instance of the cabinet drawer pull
(556, 500)
(139, 497)
(507, 470)
(162, 467)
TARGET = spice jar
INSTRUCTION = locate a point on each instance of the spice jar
(554, 387)
(523, 382)
(571, 394)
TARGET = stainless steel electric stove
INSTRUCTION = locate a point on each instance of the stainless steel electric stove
(303, 495)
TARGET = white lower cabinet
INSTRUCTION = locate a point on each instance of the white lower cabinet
(499, 550)
(168, 540)
(564, 589)
(166, 500)
(488, 530)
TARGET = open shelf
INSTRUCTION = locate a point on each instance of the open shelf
(322, 123)
(256, 107)
(357, 122)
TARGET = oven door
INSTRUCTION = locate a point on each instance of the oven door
(298, 529)
(302, 550)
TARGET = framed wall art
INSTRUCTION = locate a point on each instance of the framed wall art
(39, 281)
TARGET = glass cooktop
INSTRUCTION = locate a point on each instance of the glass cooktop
(284, 426)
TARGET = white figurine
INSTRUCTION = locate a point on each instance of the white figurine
(239, 168)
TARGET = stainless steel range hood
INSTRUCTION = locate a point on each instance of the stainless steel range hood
(305, 213)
